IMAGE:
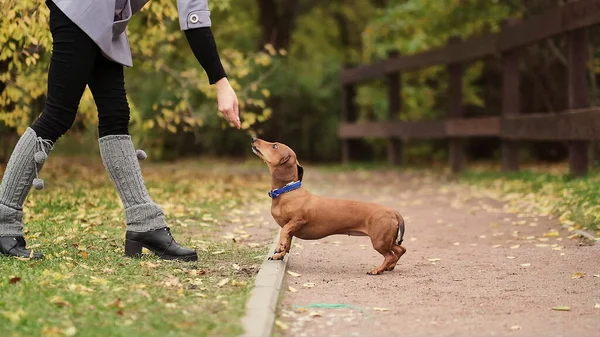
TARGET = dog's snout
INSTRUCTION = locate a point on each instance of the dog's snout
(254, 139)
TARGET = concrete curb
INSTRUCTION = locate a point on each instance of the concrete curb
(262, 304)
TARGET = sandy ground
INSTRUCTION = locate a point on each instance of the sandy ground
(473, 268)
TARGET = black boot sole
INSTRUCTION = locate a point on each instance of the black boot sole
(134, 249)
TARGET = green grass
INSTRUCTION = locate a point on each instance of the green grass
(576, 201)
(86, 287)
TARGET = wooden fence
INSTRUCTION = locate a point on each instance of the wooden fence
(577, 125)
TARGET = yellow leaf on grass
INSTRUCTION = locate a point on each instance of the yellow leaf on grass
(561, 308)
(70, 331)
(577, 275)
(80, 288)
(59, 301)
(223, 282)
(291, 273)
(14, 316)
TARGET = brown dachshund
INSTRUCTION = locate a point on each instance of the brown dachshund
(311, 217)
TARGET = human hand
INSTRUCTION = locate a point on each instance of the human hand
(227, 102)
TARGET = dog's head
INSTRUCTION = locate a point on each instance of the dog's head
(281, 160)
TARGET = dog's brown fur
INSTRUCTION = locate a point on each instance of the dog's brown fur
(311, 217)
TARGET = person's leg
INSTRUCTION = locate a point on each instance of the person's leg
(72, 60)
(146, 223)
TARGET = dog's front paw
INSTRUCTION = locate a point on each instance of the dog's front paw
(278, 256)
(374, 272)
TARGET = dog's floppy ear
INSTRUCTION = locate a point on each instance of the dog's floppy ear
(285, 159)
(300, 171)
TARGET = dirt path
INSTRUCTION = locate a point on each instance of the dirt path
(472, 269)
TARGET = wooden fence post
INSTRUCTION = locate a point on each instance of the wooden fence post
(350, 114)
(578, 96)
(455, 111)
(394, 107)
(511, 102)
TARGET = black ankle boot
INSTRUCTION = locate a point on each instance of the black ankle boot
(160, 242)
(15, 246)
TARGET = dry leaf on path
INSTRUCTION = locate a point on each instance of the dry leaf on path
(281, 325)
(292, 289)
(511, 257)
(577, 275)
(291, 273)
(562, 308)
(515, 246)
(308, 285)
(525, 264)
(381, 309)
(435, 259)
(314, 314)
(223, 282)
(515, 327)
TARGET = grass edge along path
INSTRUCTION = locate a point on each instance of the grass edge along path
(86, 287)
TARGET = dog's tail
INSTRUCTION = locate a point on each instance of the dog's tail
(400, 235)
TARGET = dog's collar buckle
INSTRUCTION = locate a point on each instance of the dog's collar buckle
(287, 188)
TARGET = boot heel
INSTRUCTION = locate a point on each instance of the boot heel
(133, 248)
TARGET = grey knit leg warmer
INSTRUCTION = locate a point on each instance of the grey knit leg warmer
(121, 162)
(24, 164)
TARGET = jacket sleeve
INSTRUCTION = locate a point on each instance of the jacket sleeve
(193, 14)
(194, 20)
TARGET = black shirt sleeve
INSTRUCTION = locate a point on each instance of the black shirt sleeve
(204, 47)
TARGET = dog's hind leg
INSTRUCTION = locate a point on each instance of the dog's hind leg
(398, 252)
(384, 244)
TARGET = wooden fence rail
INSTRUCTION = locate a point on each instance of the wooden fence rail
(577, 126)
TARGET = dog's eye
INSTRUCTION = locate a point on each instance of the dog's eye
(274, 146)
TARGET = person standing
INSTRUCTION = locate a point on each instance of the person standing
(90, 48)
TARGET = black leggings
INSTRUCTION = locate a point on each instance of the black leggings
(76, 62)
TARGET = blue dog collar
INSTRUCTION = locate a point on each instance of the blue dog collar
(287, 188)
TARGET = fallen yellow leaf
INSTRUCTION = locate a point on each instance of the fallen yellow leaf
(314, 314)
(515, 246)
(515, 327)
(381, 309)
(577, 275)
(551, 234)
(435, 259)
(562, 308)
(292, 289)
(525, 264)
(291, 273)
(308, 285)
(281, 325)
(223, 282)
